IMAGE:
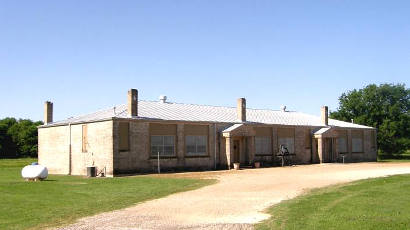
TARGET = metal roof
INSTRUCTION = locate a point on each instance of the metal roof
(170, 111)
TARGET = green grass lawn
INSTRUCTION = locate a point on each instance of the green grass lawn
(381, 203)
(61, 200)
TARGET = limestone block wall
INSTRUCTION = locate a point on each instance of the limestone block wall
(54, 146)
(303, 154)
(275, 148)
(103, 148)
(180, 146)
(370, 149)
(78, 158)
(53, 149)
(99, 148)
(221, 160)
(200, 162)
(366, 145)
(138, 158)
(315, 151)
(368, 154)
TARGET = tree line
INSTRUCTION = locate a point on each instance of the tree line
(18, 138)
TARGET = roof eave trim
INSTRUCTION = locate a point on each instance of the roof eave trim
(74, 123)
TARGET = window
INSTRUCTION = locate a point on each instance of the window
(124, 136)
(196, 145)
(342, 144)
(164, 145)
(342, 141)
(84, 138)
(288, 142)
(286, 137)
(163, 139)
(263, 145)
(357, 141)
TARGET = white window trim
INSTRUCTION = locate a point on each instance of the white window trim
(196, 147)
(163, 150)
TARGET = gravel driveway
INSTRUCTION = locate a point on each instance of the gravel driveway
(237, 201)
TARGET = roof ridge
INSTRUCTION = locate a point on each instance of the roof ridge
(181, 103)
(218, 106)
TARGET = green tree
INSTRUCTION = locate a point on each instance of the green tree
(385, 107)
(7, 147)
(24, 135)
(18, 138)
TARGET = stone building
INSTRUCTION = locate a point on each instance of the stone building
(130, 138)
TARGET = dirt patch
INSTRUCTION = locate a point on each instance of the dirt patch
(196, 175)
(237, 201)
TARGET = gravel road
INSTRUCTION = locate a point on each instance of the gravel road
(237, 201)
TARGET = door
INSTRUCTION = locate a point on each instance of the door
(236, 151)
(330, 155)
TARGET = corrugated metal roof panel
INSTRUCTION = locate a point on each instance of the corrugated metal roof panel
(205, 113)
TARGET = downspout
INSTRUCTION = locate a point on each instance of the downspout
(215, 139)
(69, 151)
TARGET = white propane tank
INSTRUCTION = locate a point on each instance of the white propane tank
(34, 171)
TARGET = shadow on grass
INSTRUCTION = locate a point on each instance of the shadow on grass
(393, 157)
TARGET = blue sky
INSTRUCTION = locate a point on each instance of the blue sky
(85, 55)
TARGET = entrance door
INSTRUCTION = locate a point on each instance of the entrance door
(236, 151)
(330, 155)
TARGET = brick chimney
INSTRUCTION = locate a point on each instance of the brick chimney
(48, 112)
(324, 115)
(241, 109)
(132, 103)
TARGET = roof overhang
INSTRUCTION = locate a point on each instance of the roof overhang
(326, 132)
(238, 130)
(56, 124)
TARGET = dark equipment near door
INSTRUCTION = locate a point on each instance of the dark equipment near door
(285, 156)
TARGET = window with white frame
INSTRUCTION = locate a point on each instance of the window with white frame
(164, 145)
(263, 145)
(196, 145)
